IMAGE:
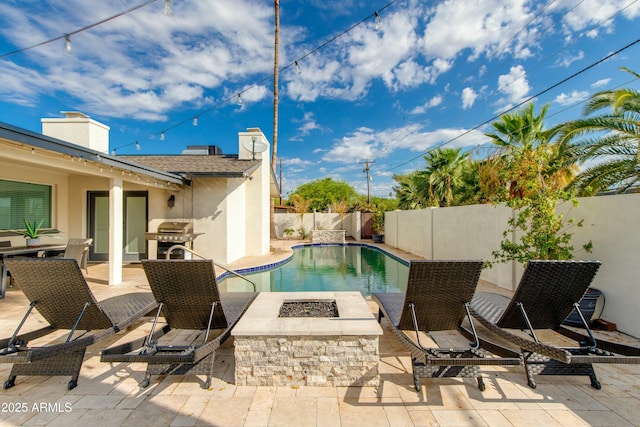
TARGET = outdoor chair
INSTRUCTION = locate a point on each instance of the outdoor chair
(77, 249)
(531, 322)
(189, 299)
(57, 289)
(6, 244)
(437, 300)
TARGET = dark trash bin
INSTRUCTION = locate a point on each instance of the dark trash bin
(587, 307)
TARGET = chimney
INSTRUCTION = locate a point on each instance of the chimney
(78, 128)
(253, 145)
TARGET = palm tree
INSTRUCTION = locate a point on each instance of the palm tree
(407, 192)
(612, 137)
(442, 174)
(525, 141)
(521, 130)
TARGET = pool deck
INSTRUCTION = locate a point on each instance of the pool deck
(110, 395)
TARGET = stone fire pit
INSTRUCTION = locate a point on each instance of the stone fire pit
(331, 341)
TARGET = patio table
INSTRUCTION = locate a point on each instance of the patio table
(21, 250)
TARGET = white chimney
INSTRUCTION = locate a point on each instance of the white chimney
(78, 128)
(253, 145)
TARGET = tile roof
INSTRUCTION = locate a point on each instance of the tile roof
(205, 165)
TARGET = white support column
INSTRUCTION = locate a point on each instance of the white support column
(115, 231)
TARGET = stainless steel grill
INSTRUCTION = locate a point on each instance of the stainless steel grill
(173, 233)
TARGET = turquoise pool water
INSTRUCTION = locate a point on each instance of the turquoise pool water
(329, 268)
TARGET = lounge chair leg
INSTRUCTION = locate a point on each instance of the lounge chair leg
(10, 382)
(594, 382)
(73, 383)
(211, 358)
(481, 385)
(146, 381)
(416, 380)
(530, 381)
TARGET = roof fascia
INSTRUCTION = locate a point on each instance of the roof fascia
(24, 136)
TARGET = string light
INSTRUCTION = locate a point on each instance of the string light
(33, 151)
(294, 64)
(167, 7)
(137, 146)
(113, 152)
(67, 44)
(162, 136)
(195, 121)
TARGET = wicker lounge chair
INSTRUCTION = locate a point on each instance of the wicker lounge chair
(437, 298)
(188, 296)
(58, 291)
(531, 321)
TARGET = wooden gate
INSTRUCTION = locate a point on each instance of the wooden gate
(366, 223)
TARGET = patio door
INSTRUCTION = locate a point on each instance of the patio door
(135, 215)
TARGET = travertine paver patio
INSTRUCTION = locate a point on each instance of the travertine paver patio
(110, 395)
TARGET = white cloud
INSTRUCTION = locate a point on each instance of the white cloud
(468, 97)
(573, 98)
(514, 85)
(143, 64)
(433, 102)
(296, 161)
(308, 124)
(359, 145)
(474, 25)
(601, 83)
(586, 13)
(567, 60)
(364, 143)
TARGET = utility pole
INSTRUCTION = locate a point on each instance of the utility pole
(366, 170)
(276, 66)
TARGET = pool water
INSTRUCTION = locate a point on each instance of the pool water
(329, 268)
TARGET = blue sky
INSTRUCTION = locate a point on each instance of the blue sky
(432, 73)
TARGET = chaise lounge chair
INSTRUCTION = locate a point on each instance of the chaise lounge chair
(531, 322)
(437, 298)
(188, 298)
(57, 289)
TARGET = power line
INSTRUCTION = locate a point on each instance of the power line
(588, 67)
(71, 33)
(530, 42)
(295, 63)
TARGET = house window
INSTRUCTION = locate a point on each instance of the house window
(23, 200)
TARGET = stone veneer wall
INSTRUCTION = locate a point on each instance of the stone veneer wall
(306, 360)
(328, 236)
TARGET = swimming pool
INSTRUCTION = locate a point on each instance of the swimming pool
(329, 268)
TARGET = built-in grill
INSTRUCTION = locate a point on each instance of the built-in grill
(173, 233)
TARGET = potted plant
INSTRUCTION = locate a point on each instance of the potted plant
(377, 223)
(32, 232)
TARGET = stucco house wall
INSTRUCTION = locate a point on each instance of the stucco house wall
(229, 204)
